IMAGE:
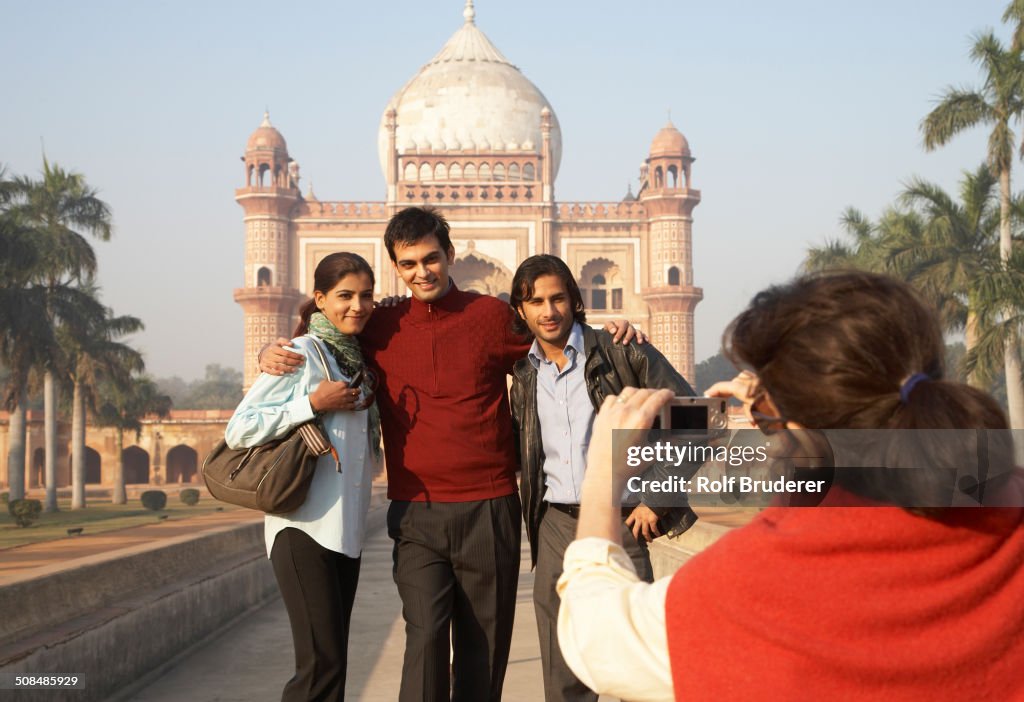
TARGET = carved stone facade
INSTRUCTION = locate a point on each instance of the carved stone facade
(166, 451)
(472, 136)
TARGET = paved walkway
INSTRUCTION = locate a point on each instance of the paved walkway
(34, 560)
(251, 661)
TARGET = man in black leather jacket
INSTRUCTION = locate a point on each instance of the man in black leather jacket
(556, 392)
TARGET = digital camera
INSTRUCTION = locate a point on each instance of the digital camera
(696, 414)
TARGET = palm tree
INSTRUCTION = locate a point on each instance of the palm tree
(21, 335)
(25, 335)
(862, 250)
(951, 251)
(59, 207)
(1015, 13)
(1000, 301)
(96, 356)
(123, 407)
(996, 104)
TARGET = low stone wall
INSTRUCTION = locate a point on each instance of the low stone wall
(112, 620)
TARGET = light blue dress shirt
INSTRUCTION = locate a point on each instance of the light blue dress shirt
(566, 418)
(334, 513)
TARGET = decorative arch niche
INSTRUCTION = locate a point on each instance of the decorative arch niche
(477, 272)
(136, 465)
(601, 283)
(182, 464)
(673, 177)
(93, 466)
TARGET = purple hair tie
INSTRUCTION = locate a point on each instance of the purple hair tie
(909, 384)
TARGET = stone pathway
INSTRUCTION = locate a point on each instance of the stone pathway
(251, 661)
(33, 560)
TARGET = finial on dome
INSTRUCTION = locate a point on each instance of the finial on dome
(266, 119)
(469, 13)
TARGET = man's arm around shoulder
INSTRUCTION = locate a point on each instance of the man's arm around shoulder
(654, 370)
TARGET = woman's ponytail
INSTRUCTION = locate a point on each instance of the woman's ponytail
(305, 312)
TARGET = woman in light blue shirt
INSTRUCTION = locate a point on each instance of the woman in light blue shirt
(315, 550)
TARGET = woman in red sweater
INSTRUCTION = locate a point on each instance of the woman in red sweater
(883, 592)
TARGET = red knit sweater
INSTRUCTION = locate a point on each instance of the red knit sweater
(853, 603)
(444, 396)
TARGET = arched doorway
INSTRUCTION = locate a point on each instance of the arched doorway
(136, 465)
(182, 463)
(37, 478)
(601, 284)
(93, 467)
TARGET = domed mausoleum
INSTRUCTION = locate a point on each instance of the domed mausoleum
(472, 136)
(468, 98)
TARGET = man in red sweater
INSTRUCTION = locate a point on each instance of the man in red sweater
(455, 517)
(443, 355)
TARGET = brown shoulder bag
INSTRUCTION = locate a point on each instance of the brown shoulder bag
(273, 477)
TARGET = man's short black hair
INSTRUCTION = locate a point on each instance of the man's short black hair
(413, 224)
(526, 276)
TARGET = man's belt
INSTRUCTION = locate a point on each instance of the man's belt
(574, 510)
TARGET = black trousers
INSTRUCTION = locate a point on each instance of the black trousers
(557, 530)
(456, 565)
(318, 587)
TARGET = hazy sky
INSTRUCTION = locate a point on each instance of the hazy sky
(794, 110)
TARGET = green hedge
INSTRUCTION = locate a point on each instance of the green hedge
(190, 496)
(155, 500)
(25, 511)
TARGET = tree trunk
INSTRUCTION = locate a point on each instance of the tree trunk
(1005, 235)
(120, 496)
(1014, 390)
(1011, 354)
(50, 440)
(16, 449)
(78, 447)
(971, 335)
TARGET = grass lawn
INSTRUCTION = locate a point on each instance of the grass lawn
(98, 516)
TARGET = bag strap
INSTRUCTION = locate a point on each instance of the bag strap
(323, 358)
(317, 442)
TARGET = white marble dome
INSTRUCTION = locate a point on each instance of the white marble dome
(469, 98)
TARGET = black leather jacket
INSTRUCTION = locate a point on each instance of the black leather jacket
(608, 369)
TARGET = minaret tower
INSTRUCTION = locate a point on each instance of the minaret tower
(665, 191)
(271, 191)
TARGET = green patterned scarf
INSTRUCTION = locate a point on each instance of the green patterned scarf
(346, 352)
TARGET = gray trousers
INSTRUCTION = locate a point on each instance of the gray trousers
(557, 531)
(456, 565)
